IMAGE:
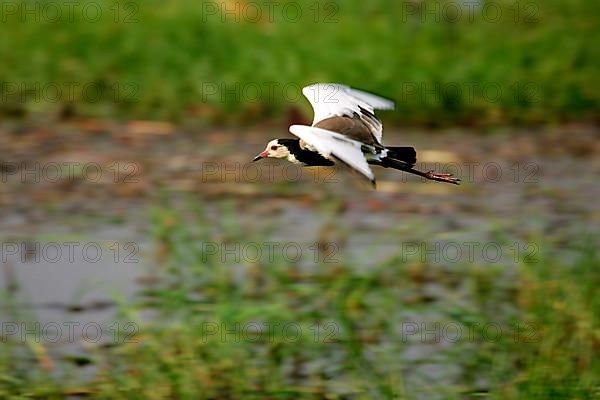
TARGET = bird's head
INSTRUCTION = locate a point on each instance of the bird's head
(274, 149)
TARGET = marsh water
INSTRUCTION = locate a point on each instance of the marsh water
(78, 238)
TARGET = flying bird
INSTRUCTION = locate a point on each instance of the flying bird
(345, 130)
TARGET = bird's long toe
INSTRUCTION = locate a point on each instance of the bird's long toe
(443, 177)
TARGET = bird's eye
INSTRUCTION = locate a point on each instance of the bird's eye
(273, 147)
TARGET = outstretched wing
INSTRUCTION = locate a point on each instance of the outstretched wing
(334, 145)
(332, 99)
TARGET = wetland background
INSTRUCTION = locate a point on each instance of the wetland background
(144, 256)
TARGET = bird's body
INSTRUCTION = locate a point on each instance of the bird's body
(345, 130)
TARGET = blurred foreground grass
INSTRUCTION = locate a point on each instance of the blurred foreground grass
(344, 337)
(517, 62)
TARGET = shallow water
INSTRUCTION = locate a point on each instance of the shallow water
(316, 219)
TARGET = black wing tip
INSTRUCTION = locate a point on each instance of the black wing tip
(366, 112)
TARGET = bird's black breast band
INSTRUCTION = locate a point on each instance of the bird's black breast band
(307, 157)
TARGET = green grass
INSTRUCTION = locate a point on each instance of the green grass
(181, 61)
(546, 309)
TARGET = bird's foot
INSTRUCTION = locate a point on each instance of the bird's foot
(435, 176)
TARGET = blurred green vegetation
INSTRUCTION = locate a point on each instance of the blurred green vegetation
(205, 61)
(544, 315)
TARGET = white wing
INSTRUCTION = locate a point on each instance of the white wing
(332, 99)
(334, 145)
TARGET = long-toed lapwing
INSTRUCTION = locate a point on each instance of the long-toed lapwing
(346, 130)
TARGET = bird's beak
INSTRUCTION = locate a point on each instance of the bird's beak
(261, 155)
